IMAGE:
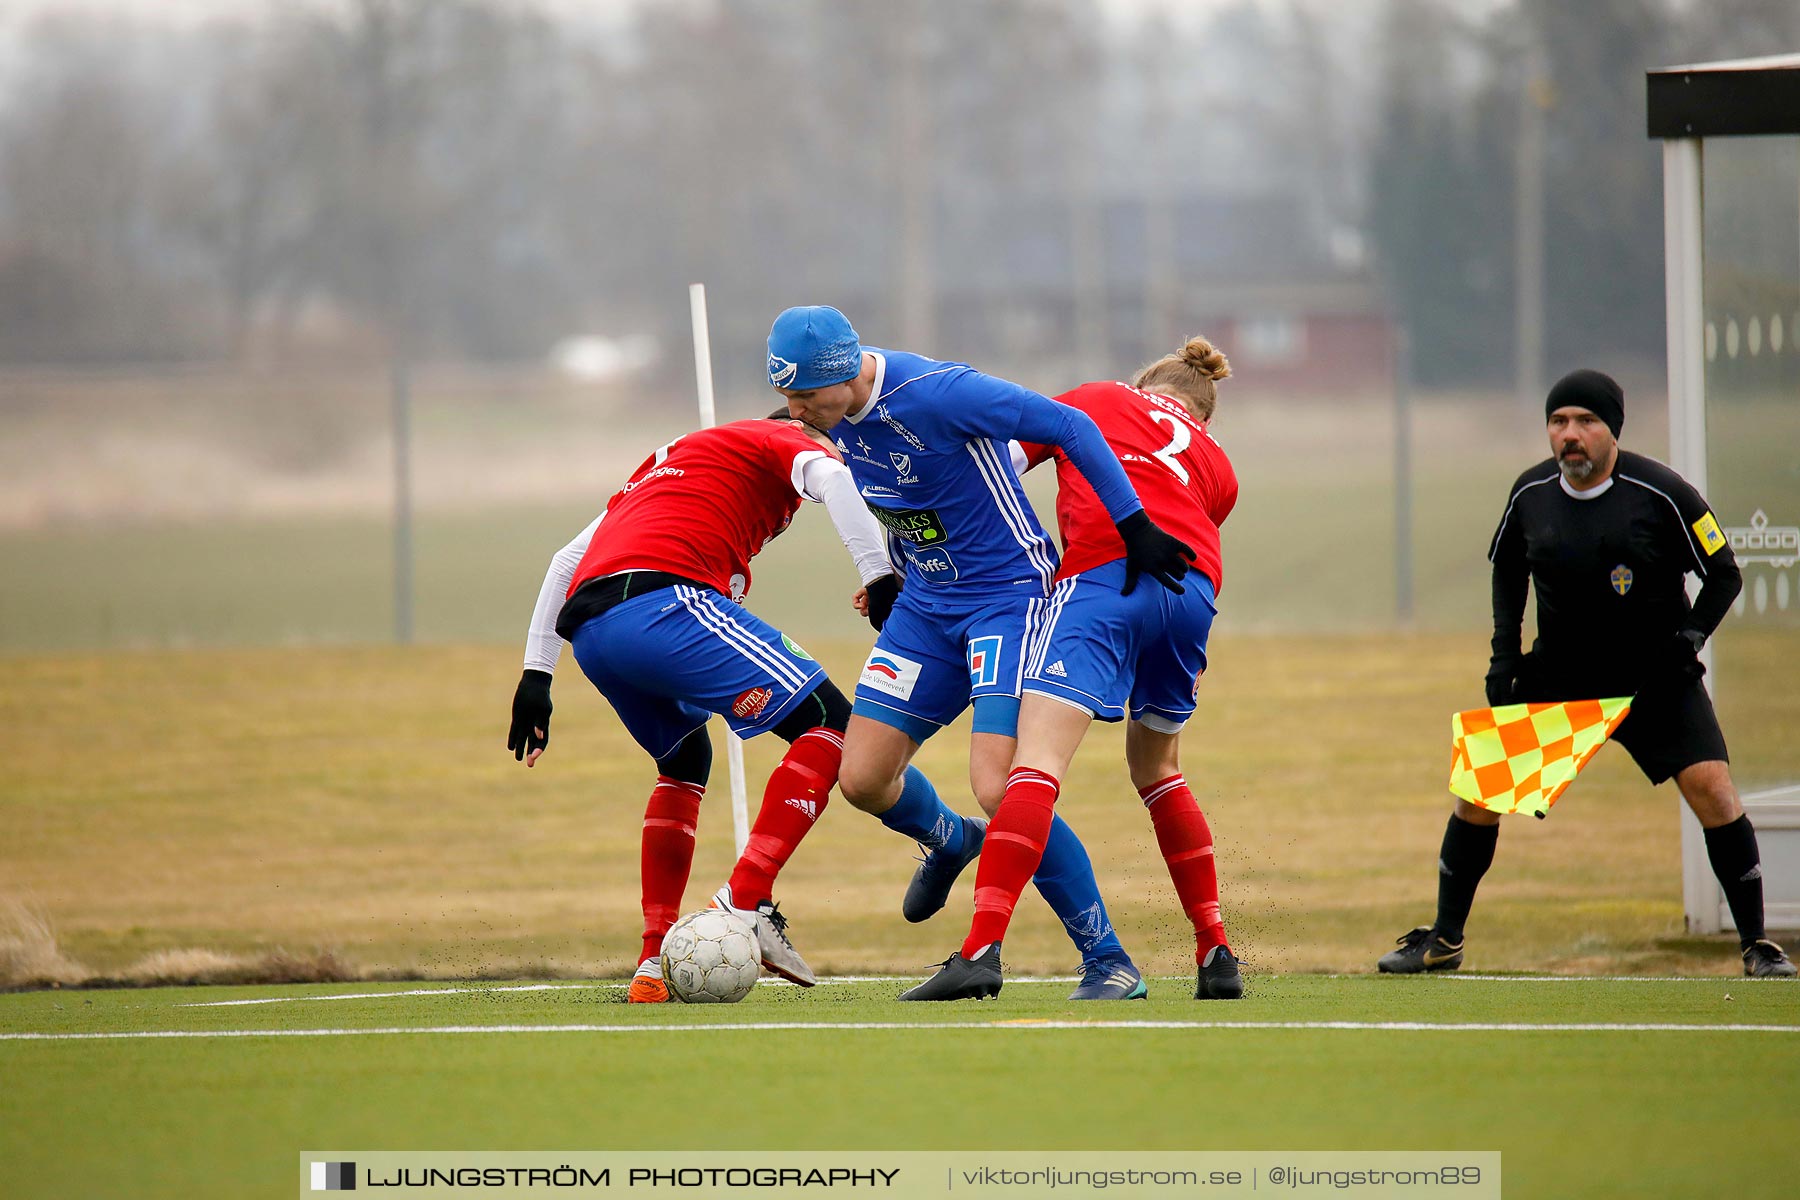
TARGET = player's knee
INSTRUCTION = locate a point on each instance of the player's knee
(690, 761)
(989, 788)
(867, 785)
(825, 706)
(1150, 758)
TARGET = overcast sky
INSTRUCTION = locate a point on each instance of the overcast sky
(192, 10)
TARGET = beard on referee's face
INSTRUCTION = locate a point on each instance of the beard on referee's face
(1583, 445)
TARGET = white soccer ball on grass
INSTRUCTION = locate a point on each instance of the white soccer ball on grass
(710, 957)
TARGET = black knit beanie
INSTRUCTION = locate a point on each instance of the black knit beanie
(1599, 394)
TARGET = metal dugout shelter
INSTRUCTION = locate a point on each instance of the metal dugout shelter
(1731, 213)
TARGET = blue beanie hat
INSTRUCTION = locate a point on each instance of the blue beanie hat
(813, 347)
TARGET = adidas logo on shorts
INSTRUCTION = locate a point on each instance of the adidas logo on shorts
(1056, 669)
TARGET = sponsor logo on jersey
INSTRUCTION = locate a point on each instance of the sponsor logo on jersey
(915, 526)
(890, 673)
(903, 468)
(877, 490)
(656, 473)
(781, 371)
(1712, 538)
(809, 807)
(865, 448)
(1621, 579)
(984, 661)
(906, 435)
(794, 648)
(1057, 670)
(750, 705)
(935, 564)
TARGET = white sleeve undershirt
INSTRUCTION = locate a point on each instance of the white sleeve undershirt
(829, 482)
(542, 646)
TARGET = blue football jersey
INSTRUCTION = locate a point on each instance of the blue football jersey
(929, 454)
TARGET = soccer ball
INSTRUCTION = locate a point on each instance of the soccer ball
(710, 957)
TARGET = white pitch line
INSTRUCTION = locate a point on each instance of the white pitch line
(448, 991)
(1730, 979)
(1457, 975)
(1025, 1024)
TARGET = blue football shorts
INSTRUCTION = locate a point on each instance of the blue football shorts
(669, 658)
(936, 655)
(1113, 654)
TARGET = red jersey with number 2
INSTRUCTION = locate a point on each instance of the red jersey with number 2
(1181, 474)
(703, 505)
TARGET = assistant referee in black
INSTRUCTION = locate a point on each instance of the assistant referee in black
(1607, 538)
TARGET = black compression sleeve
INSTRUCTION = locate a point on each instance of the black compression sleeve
(1723, 583)
(1511, 578)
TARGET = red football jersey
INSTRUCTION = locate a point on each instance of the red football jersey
(1180, 473)
(703, 505)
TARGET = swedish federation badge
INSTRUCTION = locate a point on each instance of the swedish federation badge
(1621, 579)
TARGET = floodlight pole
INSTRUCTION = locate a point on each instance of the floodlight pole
(703, 377)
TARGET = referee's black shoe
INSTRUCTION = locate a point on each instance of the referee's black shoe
(1421, 950)
(960, 978)
(1765, 960)
(1219, 978)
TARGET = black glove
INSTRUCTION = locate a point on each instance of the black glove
(1150, 551)
(530, 714)
(1503, 679)
(1680, 659)
(882, 594)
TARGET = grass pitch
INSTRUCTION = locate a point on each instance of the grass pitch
(360, 803)
(1595, 1088)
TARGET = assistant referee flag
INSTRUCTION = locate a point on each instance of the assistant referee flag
(1521, 757)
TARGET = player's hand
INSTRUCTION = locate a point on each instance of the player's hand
(860, 602)
(1151, 551)
(1503, 679)
(878, 600)
(530, 731)
(1680, 659)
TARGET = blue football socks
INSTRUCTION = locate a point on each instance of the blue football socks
(1065, 878)
(923, 817)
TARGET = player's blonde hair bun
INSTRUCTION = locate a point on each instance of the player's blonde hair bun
(1190, 375)
(1206, 358)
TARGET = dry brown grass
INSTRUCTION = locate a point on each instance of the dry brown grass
(29, 955)
(30, 958)
(185, 816)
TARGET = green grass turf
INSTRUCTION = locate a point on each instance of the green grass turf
(1595, 1113)
(360, 800)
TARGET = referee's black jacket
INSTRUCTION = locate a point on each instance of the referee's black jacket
(1609, 566)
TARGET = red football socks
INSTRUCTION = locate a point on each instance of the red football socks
(1187, 846)
(1011, 853)
(796, 794)
(668, 854)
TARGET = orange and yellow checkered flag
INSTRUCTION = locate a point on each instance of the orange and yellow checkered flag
(1521, 757)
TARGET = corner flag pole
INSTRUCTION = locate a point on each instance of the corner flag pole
(734, 745)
